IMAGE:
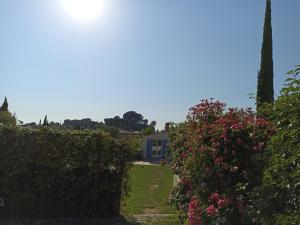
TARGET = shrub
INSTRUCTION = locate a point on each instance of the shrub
(7, 118)
(279, 194)
(50, 173)
(216, 153)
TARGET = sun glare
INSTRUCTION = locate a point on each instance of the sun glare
(84, 10)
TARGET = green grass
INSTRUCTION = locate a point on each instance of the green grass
(150, 189)
(172, 220)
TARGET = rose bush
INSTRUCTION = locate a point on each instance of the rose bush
(214, 152)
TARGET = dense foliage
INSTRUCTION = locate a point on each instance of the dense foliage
(279, 195)
(51, 173)
(5, 116)
(265, 89)
(131, 121)
(215, 157)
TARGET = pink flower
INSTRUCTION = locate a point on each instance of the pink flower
(183, 155)
(211, 210)
(223, 202)
(194, 212)
(193, 204)
(214, 197)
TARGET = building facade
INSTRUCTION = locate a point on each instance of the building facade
(155, 146)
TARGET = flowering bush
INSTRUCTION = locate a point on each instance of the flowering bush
(214, 151)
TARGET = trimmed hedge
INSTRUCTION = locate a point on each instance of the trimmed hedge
(45, 173)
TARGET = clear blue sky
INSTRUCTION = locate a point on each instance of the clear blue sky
(157, 57)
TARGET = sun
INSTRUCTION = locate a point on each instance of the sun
(84, 10)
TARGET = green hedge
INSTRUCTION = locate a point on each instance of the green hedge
(278, 196)
(46, 173)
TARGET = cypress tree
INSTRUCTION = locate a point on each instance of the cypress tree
(265, 89)
(4, 106)
(45, 123)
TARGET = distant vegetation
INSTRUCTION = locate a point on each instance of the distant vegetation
(131, 121)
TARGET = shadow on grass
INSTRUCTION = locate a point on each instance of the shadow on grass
(70, 221)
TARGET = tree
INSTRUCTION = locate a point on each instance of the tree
(146, 122)
(4, 106)
(7, 118)
(148, 131)
(133, 116)
(265, 89)
(131, 121)
(153, 124)
(45, 123)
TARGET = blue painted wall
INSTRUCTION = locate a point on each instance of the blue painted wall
(149, 148)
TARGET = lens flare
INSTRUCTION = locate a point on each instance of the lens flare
(83, 10)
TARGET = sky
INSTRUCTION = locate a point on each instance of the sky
(156, 57)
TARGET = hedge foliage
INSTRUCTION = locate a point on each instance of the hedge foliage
(278, 196)
(50, 173)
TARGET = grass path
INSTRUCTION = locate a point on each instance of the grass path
(147, 201)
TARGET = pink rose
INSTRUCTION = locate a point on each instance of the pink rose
(211, 210)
